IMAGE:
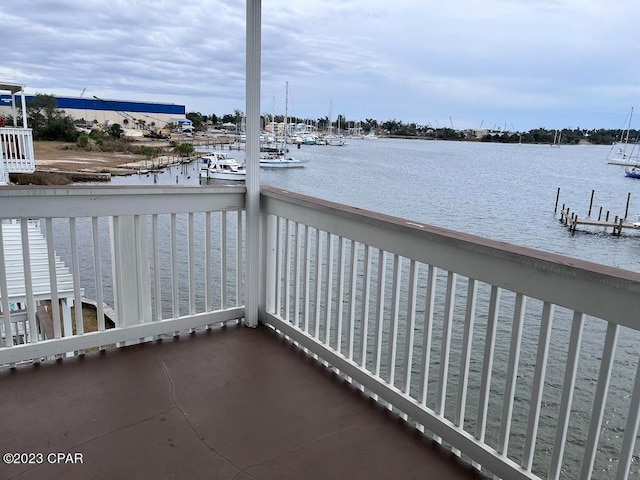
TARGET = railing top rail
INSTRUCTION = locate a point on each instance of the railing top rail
(29, 190)
(577, 284)
(14, 129)
(98, 200)
(462, 239)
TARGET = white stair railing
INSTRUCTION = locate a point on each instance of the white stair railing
(16, 152)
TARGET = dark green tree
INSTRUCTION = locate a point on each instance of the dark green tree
(370, 124)
(115, 131)
(149, 152)
(49, 123)
(197, 120)
(83, 141)
(238, 115)
(322, 123)
(228, 118)
(184, 149)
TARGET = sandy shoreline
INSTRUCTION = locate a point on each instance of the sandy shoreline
(63, 157)
(66, 157)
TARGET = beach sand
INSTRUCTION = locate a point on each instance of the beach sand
(66, 157)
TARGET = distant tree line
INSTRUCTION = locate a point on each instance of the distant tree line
(398, 128)
(49, 123)
(201, 122)
(567, 136)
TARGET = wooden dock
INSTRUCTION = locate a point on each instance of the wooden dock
(571, 220)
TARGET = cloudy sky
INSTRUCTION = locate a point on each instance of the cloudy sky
(519, 64)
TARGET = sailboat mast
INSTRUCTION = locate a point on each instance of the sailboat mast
(286, 113)
(273, 117)
(626, 139)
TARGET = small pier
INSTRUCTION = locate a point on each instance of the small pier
(572, 220)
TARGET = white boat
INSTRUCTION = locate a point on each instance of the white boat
(632, 172)
(309, 140)
(371, 135)
(556, 139)
(280, 160)
(335, 140)
(624, 154)
(622, 157)
(220, 166)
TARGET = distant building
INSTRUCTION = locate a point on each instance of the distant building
(184, 125)
(477, 133)
(110, 111)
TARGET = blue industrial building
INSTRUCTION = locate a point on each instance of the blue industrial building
(104, 110)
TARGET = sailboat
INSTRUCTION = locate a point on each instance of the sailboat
(331, 139)
(620, 153)
(279, 159)
(556, 139)
(632, 172)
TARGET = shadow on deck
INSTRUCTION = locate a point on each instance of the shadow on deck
(233, 403)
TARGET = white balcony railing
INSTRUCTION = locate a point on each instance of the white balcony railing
(16, 150)
(509, 356)
(477, 342)
(161, 257)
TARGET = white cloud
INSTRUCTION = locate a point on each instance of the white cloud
(542, 62)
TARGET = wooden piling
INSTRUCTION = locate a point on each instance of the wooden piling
(571, 220)
(626, 210)
(555, 210)
(591, 203)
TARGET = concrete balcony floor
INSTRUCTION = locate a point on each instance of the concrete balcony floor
(232, 403)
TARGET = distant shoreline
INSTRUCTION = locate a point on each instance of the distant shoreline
(414, 137)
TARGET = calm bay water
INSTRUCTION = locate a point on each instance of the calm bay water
(503, 192)
(506, 193)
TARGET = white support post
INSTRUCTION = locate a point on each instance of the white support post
(270, 264)
(252, 203)
(4, 175)
(23, 102)
(14, 110)
(132, 297)
(67, 324)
